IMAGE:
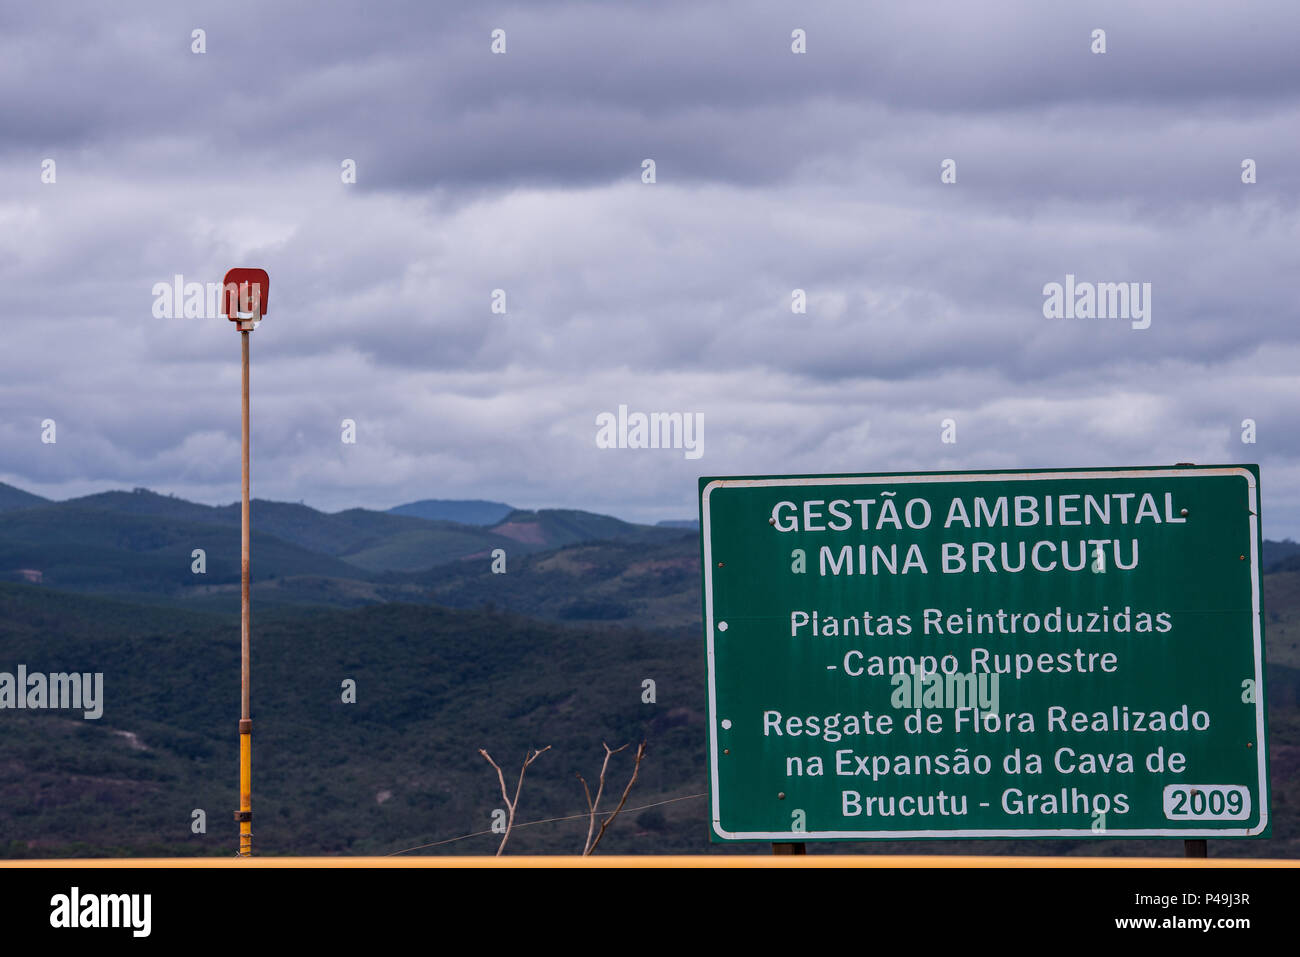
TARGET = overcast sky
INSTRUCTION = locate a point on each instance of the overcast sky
(522, 171)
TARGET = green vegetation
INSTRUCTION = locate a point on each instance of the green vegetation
(657, 586)
(398, 768)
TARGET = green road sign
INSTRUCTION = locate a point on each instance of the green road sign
(1074, 653)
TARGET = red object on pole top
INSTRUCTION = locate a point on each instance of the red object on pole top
(238, 293)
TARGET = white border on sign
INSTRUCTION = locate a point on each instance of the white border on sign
(785, 836)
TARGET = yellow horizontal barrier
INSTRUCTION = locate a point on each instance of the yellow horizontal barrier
(676, 860)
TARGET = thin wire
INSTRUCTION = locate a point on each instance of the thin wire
(549, 820)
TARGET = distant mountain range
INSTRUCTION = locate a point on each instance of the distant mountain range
(11, 497)
(1277, 554)
(143, 544)
(467, 512)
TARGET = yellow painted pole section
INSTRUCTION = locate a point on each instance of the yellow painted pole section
(245, 790)
(245, 815)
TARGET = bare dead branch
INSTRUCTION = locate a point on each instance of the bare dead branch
(505, 796)
(500, 776)
(591, 814)
(636, 767)
(594, 806)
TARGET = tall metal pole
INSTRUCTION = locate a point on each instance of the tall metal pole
(245, 814)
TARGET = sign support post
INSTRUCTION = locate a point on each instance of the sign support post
(245, 814)
(245, 297)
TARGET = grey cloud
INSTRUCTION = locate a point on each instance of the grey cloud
(522, 172)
